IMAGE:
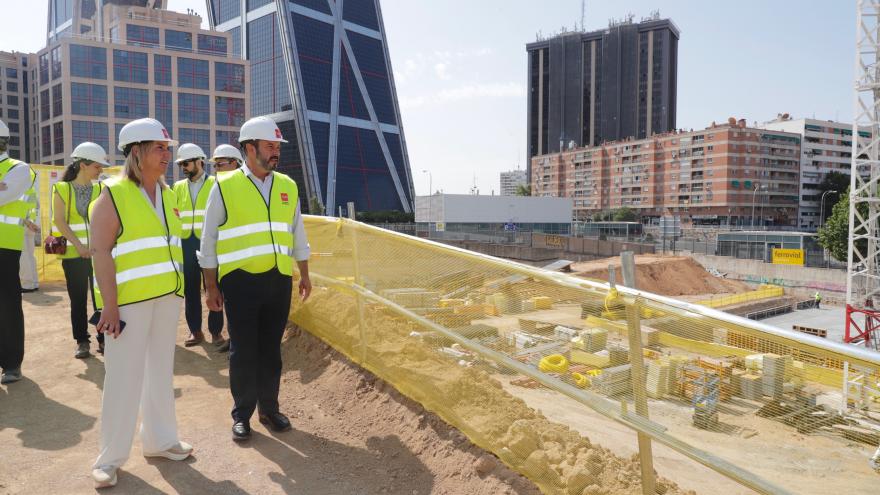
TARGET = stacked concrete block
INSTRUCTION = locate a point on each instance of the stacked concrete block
(658, 378)
(618, 355)
(774, 371)
(751, 387)
(614, 381)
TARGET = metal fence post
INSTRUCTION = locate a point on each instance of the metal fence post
(637, 372)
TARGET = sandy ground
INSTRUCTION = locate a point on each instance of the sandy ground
(352, 433)
(664, 275)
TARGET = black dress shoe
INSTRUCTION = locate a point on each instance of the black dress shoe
(276, 421)
(241, 431)
(28, 291)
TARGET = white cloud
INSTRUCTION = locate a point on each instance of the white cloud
(442, 71)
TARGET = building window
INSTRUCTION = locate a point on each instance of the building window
(46, 141)
(201, 137)
(12, 86)
(227, 137)
(130, 103)
(114, 34)
(178, 40)
(130, 66)
(228, 111)
(212, 45)
(44, 105)
(142, 35)
(192, 73)
(56, 62)
(12, 113)
(88, 99)
(229, 77)
(235, 36)
(12, 100)
(88, 61)
(164, 112)
(11, 73)
(58, 134)
(44, 68)
(95, 132)
(268, 72)
(162, 69)
(193, 109)
(56, 100)
(13, 128)
(253, 4)
(226, 10)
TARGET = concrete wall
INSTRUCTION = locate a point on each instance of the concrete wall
(558, 247)
(469, 208)
(797, 280)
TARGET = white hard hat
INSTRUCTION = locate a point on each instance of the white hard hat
(189, 151)
(227, 151)
(141, 130)
(92, 152)
(4, 130)
(260, 128)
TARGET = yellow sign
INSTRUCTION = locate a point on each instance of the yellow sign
(788, 256)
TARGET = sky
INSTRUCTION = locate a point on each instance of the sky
(460, 68)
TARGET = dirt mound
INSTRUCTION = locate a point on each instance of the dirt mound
(413, 450)
(664, 275)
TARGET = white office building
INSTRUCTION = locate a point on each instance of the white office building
(826, 146)
(511, 180)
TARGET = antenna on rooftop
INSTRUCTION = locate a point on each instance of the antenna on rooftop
(583, 13)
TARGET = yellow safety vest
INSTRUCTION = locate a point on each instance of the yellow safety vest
(255, 237)
(192, 217)
(148, 256)
(78, 224)
(12, 214)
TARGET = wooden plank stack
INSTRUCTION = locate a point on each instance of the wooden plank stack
(614, 381)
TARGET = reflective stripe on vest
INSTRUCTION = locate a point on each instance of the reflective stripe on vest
(147, 256)
(255, 237)
(192, 218)
(78, 224)
(13, 214)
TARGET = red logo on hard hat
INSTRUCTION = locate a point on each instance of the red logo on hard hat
(278, 133)
(165, 133)
(284, 198)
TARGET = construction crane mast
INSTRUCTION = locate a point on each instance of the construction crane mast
(863, 269)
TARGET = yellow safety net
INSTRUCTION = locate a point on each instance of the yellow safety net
(554, 374)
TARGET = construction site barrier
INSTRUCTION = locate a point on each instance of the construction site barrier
(465, 335)
(762, 293)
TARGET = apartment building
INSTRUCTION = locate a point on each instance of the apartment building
(14, 103)
(510, 181)
(726, 174)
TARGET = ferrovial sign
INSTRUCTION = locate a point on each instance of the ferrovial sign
(788, 256)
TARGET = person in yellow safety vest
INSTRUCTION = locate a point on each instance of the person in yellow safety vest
(15, 179)
(28, 271)
(192, 197)
(226, 158)
(71, 198)
(135, 243)
(253, 231)
(818, 299)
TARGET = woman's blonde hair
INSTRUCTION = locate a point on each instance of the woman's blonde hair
(132, 169)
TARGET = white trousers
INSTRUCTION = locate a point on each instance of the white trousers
(139, 375)
(27, 271)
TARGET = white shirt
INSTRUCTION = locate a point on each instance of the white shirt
(17, 181)
(215, 215)
(157, 208)
(195, 187)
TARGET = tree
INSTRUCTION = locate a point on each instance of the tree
(834, 234)
(523, 190)
(833, 181)
(315, 206)
(625, 214)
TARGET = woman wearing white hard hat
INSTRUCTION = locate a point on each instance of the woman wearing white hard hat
(226, 157)
(71, 197)
(135, 241)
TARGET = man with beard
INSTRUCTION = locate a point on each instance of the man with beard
(252, 233)
(192, 197)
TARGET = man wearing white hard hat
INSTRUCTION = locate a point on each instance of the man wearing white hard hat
(15, 179)
(226, 158)
(135, 244)
(192, 197)
(71, 198)
(253, 231)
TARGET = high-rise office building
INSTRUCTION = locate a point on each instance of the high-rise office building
(607, 85)
(14, 104)
(321, 69)
(510, 181)
(133, 60)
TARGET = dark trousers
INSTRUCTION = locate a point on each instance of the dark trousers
(257, 308)
(11, 314)
(192, 291)
(78, 274)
